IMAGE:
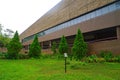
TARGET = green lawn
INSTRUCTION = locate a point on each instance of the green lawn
(52, 69)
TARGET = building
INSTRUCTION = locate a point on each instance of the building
(99, 21)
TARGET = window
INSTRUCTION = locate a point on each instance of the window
(80, 19)
(87, 16)
(98, 12)
(112, 7)
(92, 15)
(105, 10)
(101, 35)
(118, 5)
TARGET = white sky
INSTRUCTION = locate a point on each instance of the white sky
(20, 14)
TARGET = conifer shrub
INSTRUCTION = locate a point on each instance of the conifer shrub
(14, 47)
(79, 48)
(63, 46)
(35, 49)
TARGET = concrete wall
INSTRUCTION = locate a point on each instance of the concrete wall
(112, 45)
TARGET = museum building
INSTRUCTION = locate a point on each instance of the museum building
(99, 21)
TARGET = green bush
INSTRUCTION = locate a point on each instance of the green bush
(2, 55)
(101, 60)
(115, 59)
(23, 56)
(118, 58)
(92, 58)
(107, 55)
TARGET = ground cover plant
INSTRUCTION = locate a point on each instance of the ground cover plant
(53, 69)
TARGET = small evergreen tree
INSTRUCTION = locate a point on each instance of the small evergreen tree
(63, 46)
(35, 49)
(14, 47)
(79, 48)
(54, 47)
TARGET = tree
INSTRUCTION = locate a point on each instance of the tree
(1, 29)
(35, 49)
(63, 46)
(14, 47)
(9, 33)
(54, 47)
(4, 41)
(79, 48)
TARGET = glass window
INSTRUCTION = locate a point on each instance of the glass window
(76, 21)
(105, 10)
(59, 27)
(39, 34)
(112, 7)
(83, 18)
(43, 33)
(118, 5)
(65, 24)
(87, 16)
(98, 12)
(71, 22)
(53, 29)
(92, 15)
(47, 31)
(68, 24)
(79, 19)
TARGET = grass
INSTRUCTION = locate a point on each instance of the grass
(52, 69)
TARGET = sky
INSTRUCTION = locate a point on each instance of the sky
(20, 14)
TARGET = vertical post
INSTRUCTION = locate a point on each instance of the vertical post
(65, 64)
(65, 55)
